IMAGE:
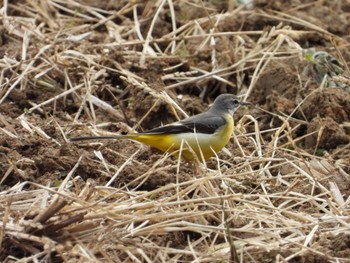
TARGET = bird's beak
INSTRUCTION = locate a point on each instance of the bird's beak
(246, 103)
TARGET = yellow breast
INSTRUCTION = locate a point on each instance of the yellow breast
(200, 143)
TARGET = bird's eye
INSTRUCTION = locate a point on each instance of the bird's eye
(235, 101)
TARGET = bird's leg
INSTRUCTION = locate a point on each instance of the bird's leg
(197, 166)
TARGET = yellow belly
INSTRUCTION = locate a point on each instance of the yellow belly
(201, 144)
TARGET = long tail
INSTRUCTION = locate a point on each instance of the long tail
(87, 138)
(159, 141)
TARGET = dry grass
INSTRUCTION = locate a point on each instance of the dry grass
(273, 202)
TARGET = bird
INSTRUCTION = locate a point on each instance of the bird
(322, 65)
(197, 137)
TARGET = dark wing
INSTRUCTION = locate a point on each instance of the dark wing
(169, 129)
(201, 123)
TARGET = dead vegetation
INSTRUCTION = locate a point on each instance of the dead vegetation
(280, 191)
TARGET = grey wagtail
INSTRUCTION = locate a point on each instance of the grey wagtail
(206, 133)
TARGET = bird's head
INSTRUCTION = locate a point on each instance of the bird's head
(227, 103)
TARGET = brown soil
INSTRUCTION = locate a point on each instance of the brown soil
(320, 116)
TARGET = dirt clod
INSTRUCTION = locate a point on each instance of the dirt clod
(280, 190)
